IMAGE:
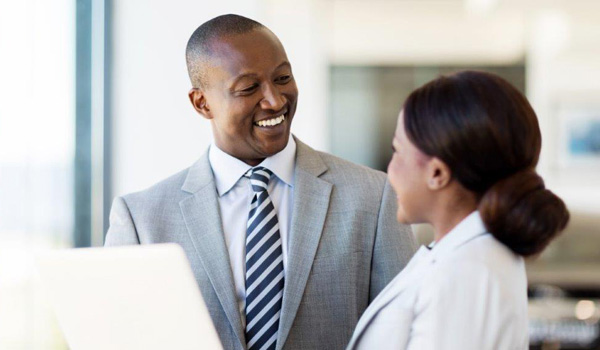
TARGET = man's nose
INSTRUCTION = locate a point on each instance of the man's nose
(272, 98)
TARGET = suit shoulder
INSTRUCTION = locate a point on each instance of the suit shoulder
(350, 172)
(165, 190)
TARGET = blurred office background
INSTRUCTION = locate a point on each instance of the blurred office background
(93, 104)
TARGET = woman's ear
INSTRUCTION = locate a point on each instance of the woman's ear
(438, 174)
(198, 100)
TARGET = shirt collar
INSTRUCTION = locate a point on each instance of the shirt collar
(228, 169)
(469, 228)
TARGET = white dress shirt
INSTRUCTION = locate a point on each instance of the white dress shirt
(235, 195)
(468, 292)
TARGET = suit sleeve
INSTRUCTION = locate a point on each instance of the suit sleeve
(122, 229)
(394, 244)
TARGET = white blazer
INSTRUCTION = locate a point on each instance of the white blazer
(468, 292)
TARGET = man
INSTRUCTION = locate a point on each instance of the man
(288, 245)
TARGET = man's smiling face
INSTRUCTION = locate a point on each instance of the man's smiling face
(250, 95)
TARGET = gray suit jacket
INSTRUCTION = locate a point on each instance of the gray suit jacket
(344, 245)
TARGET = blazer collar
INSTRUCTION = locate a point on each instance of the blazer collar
(469, 228)
(308, 160)
(201, 216)
(311, 203)
(199, 175)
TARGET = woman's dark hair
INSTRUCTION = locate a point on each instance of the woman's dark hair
(485, 130)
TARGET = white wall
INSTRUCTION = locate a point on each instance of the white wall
(563, 77)
(382, 32)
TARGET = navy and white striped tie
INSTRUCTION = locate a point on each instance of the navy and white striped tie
(264, 266)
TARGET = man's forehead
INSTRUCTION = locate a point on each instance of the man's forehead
(241, 53)
(244, 44)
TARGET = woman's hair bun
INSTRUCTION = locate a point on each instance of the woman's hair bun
(521, 213)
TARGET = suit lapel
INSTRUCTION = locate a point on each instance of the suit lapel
(203, 220)
(311, 202)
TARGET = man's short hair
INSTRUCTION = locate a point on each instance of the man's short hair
(198, 48)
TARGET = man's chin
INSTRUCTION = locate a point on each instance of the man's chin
(273, 149)
(272, 144)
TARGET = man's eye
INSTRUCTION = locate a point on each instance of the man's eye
(283, 79)
(250, 88)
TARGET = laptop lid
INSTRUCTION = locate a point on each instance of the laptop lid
(133, 297)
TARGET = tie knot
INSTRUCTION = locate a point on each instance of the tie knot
(259, 178)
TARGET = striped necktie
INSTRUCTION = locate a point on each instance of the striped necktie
(264, 266)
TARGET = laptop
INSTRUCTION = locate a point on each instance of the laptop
(134, 297)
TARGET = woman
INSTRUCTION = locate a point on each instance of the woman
(465, 152)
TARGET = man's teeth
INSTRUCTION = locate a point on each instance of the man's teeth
(272, 122)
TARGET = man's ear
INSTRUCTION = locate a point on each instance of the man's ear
(198, 100)
(438, 174)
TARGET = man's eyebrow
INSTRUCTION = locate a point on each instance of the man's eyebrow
(253, 75)
(283, 64)
(242, 76)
